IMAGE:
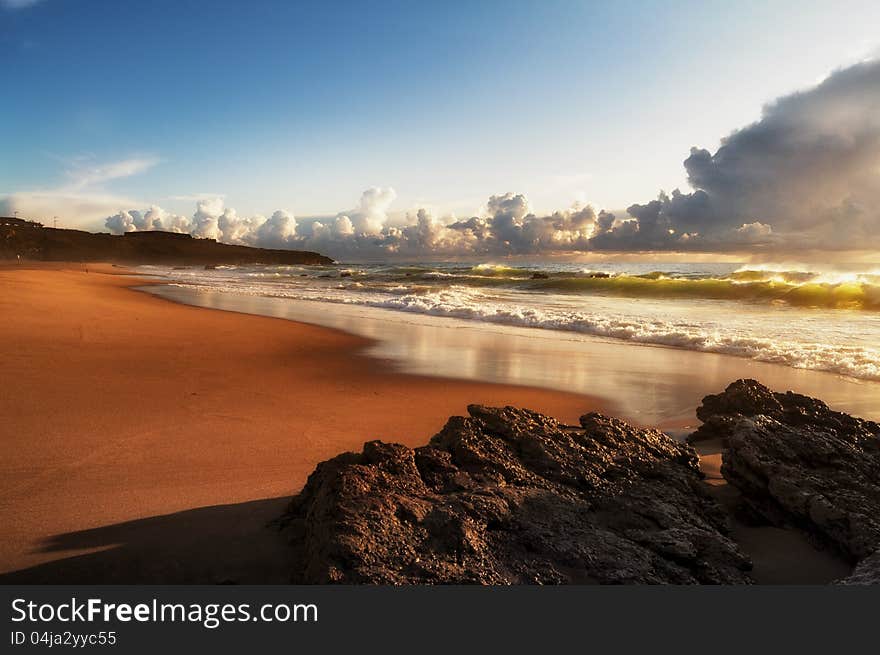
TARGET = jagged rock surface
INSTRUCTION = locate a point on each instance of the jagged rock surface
(867, 572)
(798, 463)
(508, 496)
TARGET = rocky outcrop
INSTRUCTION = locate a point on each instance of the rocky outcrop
(867, 572)
(508, 496)
(798, 463)
(720, 412)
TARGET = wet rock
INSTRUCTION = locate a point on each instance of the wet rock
(798, 463)
(867, 572)
(720, 412)
(540, 276)
(508, 496)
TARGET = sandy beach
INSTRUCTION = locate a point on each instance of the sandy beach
(351, 301)
(147, 441)
(779, 556)
(150, 441)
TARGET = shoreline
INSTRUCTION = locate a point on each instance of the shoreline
(646, 384)
(106, 380)
(141, 508)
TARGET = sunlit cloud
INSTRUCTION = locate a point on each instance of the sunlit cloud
(88, 173)
(74, 209)
(82, 198)
(805, 176)
(808, 169)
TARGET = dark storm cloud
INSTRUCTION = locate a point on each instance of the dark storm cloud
(809, 168)
(804, 176)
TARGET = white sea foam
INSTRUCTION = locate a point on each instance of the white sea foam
(829, 340)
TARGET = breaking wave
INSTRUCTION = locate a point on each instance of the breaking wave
(800, 289)
(853, 361)
(788, 317)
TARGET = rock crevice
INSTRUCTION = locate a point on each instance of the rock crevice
(508, 496)
(799, 464)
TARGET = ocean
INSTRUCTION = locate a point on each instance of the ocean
(815, 318)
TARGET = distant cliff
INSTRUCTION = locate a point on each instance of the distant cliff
(29, 240)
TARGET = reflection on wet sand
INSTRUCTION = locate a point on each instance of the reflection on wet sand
(653, 385)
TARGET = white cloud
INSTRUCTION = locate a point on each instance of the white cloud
(754, 231)
(154, 218)
(81, 200)
(277, 232)
(86, 173)
(74, 209)
(372, 212)
(806, 175)
(507, 226)
(810, 168)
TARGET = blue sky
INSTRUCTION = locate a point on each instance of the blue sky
(302, 106)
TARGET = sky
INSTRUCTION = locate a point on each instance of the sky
(529, 126)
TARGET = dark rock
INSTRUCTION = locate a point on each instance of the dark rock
(798, 463)
(867, 572)
(508, 496)
(540, 276)
(720, 412)
(345, 274)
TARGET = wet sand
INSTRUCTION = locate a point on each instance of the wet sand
(645, 384)
(128, 419)
(779, 556)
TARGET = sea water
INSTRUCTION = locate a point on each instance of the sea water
(810, 318)
(648, 340)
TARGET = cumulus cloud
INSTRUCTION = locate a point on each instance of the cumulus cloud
(809, 168)
(806, 175)
(507, 226)
(154, 218)
(754, 232)
(277, 232)
(212, 220)
(372, 212)
(122, 222)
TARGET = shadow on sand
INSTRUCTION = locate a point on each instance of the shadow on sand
(228, 544)
(207, 545)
